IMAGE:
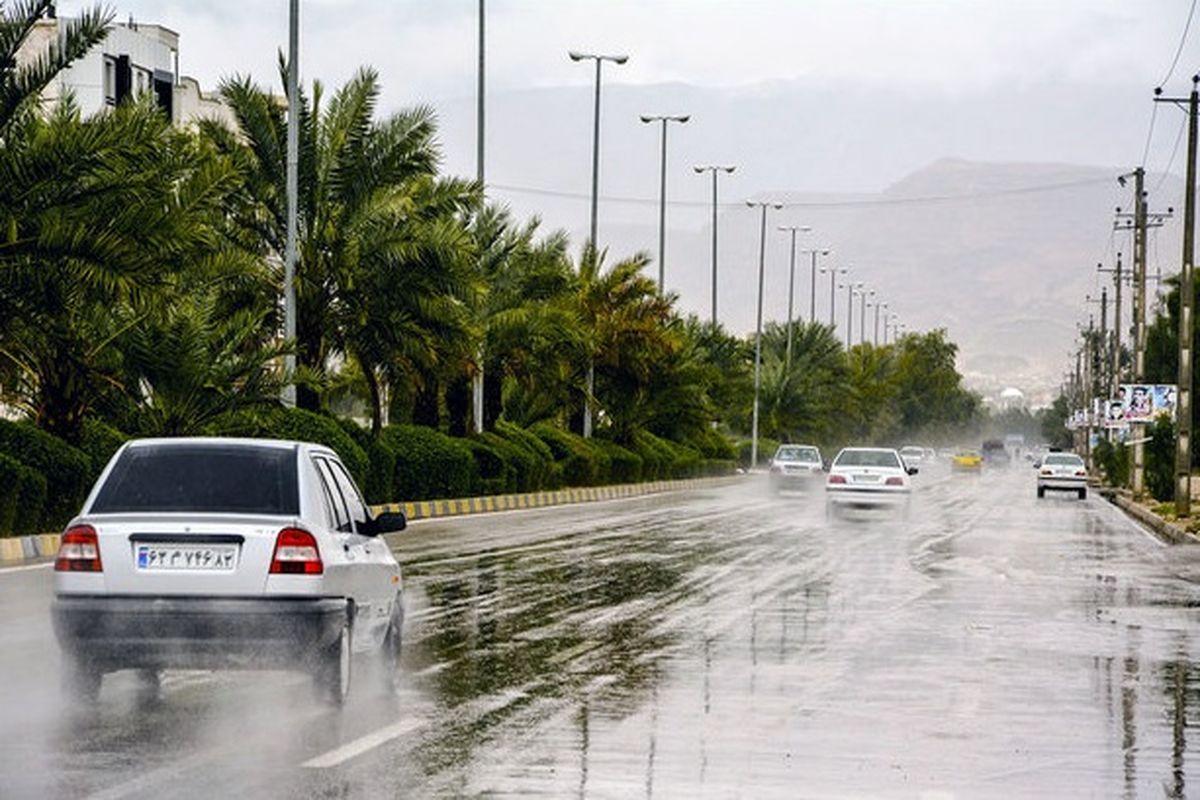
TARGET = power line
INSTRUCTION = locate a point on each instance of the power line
(1182, 40)
(894, 201)
(1149, 135)
(1171, 162)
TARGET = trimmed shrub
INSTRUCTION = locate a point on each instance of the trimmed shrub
(626, 465)
(766, 449)
(580, 462)
(430, 464)
(99, 442)
(381, 462)
(495, 474)
(547, 472)
(712, 467)
(712, 444)
(65, 468)
(305, 426)
(10, 482)
(1160, 459)
(31, 502)
(656, 457)
(685, 462)
(527, 470)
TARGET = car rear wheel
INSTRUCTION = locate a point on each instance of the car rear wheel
(331, 679)
(1041, 491)
(1083, 494)
(80, 681)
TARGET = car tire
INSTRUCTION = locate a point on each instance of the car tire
(331, 677)
(149, 685)
(1041, 492)
(81, 681)
(389, 653)
(1083, 494)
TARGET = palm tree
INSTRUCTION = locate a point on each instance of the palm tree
(97, 215)
(366, 186)
(21, 83)
(802, 399)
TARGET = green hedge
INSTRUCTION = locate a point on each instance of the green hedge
(10, 483)
(527, 471)
(626, 465)
(766, 449)
(65, 468)
(581, 463)
(714, 445)
(381, 462)
(99, 442)
(547, 473)
(31, 502)
(305, 426)
(430, 464)
(655, 454)
(496, 475)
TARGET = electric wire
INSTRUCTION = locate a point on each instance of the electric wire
(1171, 161)
(865, 203)
(1182, 41)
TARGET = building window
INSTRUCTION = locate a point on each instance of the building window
(110, 81)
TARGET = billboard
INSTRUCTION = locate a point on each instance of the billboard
(1140, 402)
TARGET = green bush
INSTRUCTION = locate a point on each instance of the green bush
(381, 462)
(656, 456)
(527, 470)
(1160, 459)
(713, 467)
(766, 449)
(581, 463)
(430, 464)
(626, 465)
(31, 502)
(65, 468)
(296, 424)
(547, 472)
(685, 461)
(712, 444)
(99, 442)
(495, 473)
(10, 482)
(1113, 461)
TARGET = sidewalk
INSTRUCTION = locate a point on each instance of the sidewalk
(29, 549)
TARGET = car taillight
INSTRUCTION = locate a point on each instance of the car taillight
(837, 478)
(776, 469)
(894, 482)
(79, 551)
(296, 553)
(1079, 473)
(1047, 472)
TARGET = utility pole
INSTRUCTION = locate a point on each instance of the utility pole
(663, 119)
(762, 262)
(1139, 221)
(794, 229)
(1118, 282)
(1187, 331)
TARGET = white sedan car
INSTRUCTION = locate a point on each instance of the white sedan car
(226, 553)
(1062, 472)
(868, 479)
(795, 466)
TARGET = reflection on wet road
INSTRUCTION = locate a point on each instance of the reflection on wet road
(718, 643)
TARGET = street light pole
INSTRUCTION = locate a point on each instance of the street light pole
(794, 229)
(292, 180)
(662, 192)
(762, 262)
(850, 289)
(599, 59)
(812, 292)
(862, 323)
(877, 307)
(478, 378)
(833, 273)
(714, 169)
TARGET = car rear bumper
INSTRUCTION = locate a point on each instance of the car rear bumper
(1066, 484)
(111, 633)
(866, 498)
(796, 480)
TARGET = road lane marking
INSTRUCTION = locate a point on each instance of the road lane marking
(361, 745)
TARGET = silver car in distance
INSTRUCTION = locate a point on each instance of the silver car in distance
(200, 553)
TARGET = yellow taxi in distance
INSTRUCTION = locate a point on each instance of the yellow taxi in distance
(967, 461)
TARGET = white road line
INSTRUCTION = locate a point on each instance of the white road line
(362, 745)
(46, 565)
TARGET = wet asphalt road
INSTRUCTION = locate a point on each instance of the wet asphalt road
(716, 643)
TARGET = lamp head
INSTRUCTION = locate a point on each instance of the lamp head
(682, 118)
(621, 59)
(646, 118)
(575, 55)
(729, 168)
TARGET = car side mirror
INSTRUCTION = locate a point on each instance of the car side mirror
(388, 522)
(1037, 464)
(913, 470)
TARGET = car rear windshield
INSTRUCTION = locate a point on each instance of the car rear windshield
(220, 479)
(867, 458)
(1072, 461)
(806, 454)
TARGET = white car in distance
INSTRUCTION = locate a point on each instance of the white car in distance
(197, 553)
(868, 479)
(1062, 472)
(795, 466)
